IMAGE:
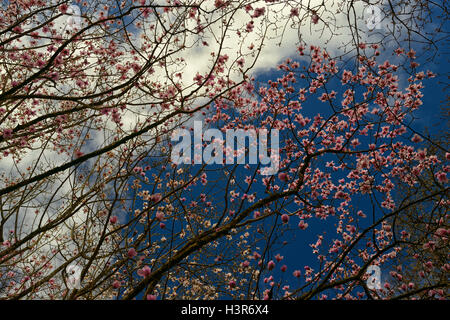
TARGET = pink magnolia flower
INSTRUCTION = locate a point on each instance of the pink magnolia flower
(131, 253)
(442, 177)
(428, 265)
(283, 176)
(296, 273)
(430, 245)
(144, 272)
(442, 232)
(294, 12)
(7, 133)
(155, 197)
(283, 268)
(219, 3)
(285, 218)
(198, 78)
(78, 153)
(113, 219)
(411, 54)
(302, 225)
(258, 12)
(63, 8)
(416, 138)
(399, 51)
(250, 26)
(116, 284)
(159, 215)
(151, 297)
(271, 265)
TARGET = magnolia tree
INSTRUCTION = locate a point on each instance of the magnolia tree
(94, 205)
